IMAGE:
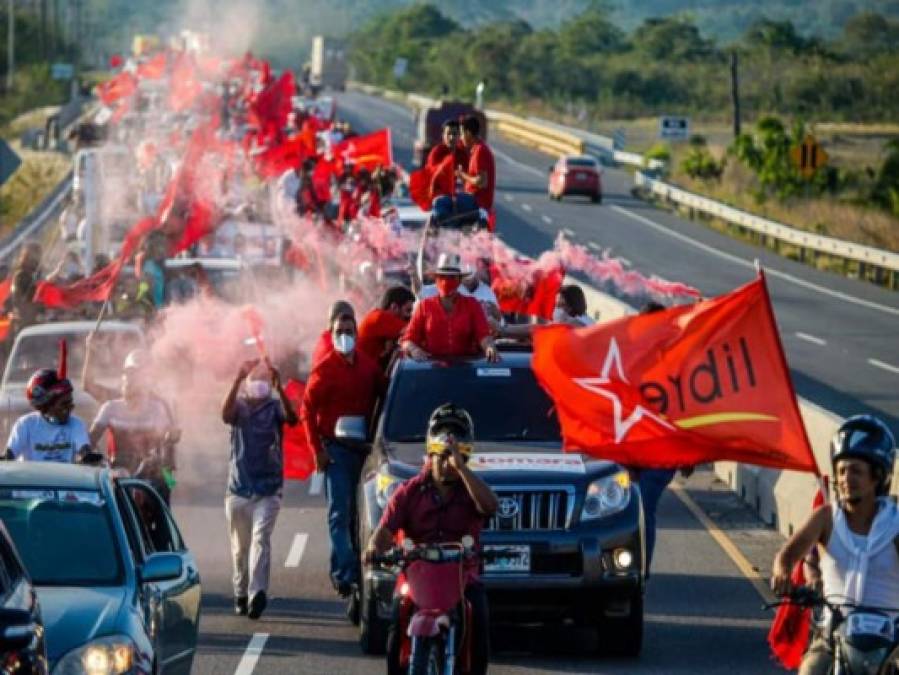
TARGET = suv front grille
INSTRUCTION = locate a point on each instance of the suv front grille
(531, 510)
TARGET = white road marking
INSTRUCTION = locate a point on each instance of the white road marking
(547, 220)
(625, 261)
(593, 245)
(751, 264)
(296, 550)
(568, 232)
(316, 483)
(514, 162)
(508, 197)
(811, 338)
(251, 655)
(527, 207)
(884, 366)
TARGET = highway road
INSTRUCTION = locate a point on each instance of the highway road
(702, 616)
(840, 335)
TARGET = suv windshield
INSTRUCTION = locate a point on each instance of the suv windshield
(584, 162)
(505, 403)
(64, 537)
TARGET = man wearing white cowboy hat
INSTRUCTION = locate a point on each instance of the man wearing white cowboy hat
(449, 324)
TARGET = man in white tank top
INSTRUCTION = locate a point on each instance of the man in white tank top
(856, 537)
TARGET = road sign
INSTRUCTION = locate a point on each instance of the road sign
(619, 139)
(9, 161)
(399, 67)
(62, 71)
(674, 128)
(808, 156)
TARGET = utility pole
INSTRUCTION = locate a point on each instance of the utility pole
(735, 90)
(10, 44)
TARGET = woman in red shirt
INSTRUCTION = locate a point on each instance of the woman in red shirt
(449, 324)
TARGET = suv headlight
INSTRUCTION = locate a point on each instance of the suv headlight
(607, 496)
(386, 485)
(110, 655)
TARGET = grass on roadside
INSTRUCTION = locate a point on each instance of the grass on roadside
(36, 177)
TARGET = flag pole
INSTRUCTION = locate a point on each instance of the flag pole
(101, 315)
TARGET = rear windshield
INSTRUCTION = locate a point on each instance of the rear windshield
(504, 403)
(581, 161)
(65, 537)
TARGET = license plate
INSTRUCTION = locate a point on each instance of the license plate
(580, 175)
(520, 562)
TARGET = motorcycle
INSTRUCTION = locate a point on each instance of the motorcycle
(434, 615)
(863, 640)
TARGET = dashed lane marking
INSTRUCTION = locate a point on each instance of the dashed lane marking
(527, 207)
(251, 655)
(811, 338)
(568, 232)
(594, 246)
(316, 483)
(547, 220)
(508, 197)
(751, 264)
(295, 555)
(884, 366)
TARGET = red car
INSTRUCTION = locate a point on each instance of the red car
(576, 175)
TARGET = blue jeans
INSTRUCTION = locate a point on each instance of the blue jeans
(652, 484)
(341, 480)
(446, 206)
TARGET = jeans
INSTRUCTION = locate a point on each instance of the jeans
(447, 206)
(250, 525)
(652, 484)
(341, 480)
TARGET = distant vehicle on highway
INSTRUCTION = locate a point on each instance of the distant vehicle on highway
(37, 347)
(576, 175)
(229, 278)
(429, 126)
(576, 523)
(23, 649)
(116, 583)
(329, 65)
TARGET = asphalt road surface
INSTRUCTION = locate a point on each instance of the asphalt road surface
(840, 335)
(702, 615)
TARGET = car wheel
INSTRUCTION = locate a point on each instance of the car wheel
(372, 628)
(623, 636)
(596, 198)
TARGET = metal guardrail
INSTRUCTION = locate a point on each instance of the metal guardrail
(536, 135)
(805, 241)
(33, 223)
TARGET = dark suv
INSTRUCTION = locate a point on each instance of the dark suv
(576, 521)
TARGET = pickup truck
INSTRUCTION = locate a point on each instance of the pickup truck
(429, 126)
(576, 522)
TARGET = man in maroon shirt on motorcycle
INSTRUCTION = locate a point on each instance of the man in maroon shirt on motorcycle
(443, 503)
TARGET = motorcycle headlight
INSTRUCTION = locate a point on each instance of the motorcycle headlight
(607, 496)
(387, 484)
(111, 655)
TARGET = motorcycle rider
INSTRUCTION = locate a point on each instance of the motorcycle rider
(443, 503)
(857, 536)
(52, 433)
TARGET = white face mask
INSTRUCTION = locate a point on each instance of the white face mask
(258, 389)
(560, 316)
(344, 344)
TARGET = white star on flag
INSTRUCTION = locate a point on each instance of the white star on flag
(596, 385)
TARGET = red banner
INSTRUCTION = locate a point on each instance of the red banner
(299, 456)
(525, 288)
(691, 384)
(154, 68)
(369, 151)
(119, 87)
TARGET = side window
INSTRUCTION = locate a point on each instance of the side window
(156, 530)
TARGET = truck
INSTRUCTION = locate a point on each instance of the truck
(328, 66)
(429, 126)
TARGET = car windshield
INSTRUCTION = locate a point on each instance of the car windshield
(65, 537)
(506, 404)
(33, 352)
(581, 162)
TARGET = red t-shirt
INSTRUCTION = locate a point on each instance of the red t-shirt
(443, 178)
(378, 328)
(442, 333)
(482, 161)
(336, 388)
(440, 152)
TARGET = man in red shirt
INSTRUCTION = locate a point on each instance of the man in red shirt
(449, 324)
(443, 503)
(380, 330)
(444, 159)
(346, 383)
(480, 179)
(324, 345)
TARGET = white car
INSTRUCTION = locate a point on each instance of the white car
(37, 347)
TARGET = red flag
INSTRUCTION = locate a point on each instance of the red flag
(420, 187)
(153, 69)
(272, 107)
(185, 86)
(121, 86)
(95, 288)
(525, 288)
(299, 457)
(788, 637)
(687, 385)
(369, 151)
(279, 158)
(116, 61)
(5, 290)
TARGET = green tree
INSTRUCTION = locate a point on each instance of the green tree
(590, 33)
(671, 38)
(870, 33)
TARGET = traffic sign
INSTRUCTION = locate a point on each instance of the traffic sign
(674, 128)
(62, 71)
(619, 139)
(9, 161)
(399, 67)
(808, 156)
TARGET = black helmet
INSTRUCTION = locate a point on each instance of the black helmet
(866, 437)
(45, 386)
(453, 419)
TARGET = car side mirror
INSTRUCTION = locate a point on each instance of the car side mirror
(161, 567)
(18, 630)
(351, 430)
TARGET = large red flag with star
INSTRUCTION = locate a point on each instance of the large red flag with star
(687, 385)
(369, 151)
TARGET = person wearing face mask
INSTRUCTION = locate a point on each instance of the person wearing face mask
(450, 324)
(140, 428)
(346, 383)
(52, 433)
(323, 345)
(255, 478)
